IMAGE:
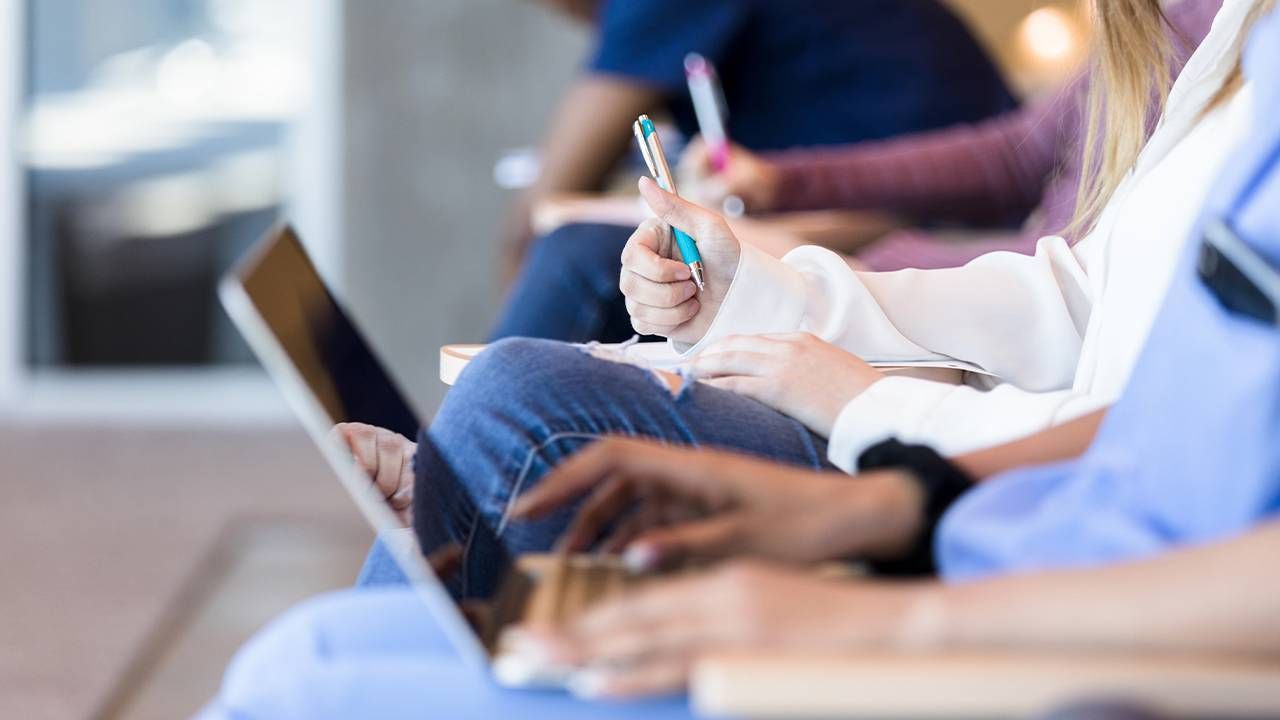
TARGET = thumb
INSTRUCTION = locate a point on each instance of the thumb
(678, 212)
(652, 235)
(669, 546)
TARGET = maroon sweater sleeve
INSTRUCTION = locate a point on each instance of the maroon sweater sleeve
(976, 173)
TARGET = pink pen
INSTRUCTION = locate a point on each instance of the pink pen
(709, 106)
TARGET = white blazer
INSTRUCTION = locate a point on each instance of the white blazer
(1061, 329)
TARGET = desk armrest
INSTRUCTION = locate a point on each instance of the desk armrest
(977, 685)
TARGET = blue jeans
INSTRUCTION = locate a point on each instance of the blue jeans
(568, 288)
(525, 405)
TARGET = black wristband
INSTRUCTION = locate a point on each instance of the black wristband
(943, 483)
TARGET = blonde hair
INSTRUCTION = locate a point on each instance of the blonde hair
(1133, 62)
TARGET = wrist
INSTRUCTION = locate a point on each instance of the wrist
(918, 622)
(875, 515)
(898, 617)
(941, 484)
(857, 379)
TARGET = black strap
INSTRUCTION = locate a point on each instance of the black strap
(1238, 276)
(943, 483)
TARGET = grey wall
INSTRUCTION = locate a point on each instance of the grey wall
(435, 91)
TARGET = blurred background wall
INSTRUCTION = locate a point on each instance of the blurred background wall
(440, 92)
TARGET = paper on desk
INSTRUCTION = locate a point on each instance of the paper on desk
(660, 356)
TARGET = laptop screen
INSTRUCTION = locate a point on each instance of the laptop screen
(349, 384)
(324, 345)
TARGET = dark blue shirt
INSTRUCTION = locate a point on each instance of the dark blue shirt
(817, 72)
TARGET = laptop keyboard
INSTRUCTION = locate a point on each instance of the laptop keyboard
(567, 586)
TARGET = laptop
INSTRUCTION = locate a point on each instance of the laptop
(329, 374)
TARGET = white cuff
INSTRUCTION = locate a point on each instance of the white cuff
(894, 407)
(766, 296)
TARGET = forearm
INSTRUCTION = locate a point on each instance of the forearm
(979, 173)
(583, 11)
(1062, 442)
(1215, 598)
(588, 134)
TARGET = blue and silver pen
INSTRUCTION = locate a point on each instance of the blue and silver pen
(656, 158)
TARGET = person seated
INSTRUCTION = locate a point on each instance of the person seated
(875, 68)
(1159, 538)
(775, 348)
(1024, 164)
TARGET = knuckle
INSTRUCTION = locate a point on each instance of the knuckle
(608, 447)
(386, 440)
(628, 284)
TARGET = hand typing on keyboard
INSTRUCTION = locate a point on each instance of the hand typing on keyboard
(663, 506)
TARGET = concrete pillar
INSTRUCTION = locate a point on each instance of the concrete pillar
(432, 93)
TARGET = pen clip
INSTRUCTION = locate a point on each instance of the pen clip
(645, 151)
(662, 170)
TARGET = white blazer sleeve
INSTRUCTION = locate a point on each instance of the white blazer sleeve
(1021, 318)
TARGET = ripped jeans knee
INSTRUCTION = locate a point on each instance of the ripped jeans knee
(675, 379)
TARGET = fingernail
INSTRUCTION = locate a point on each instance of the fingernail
(588, 684)
(525, 646)
(640, 559)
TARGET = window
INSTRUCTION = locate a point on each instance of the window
(154, 151)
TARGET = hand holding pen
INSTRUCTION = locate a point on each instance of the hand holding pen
(747, 180)
(660, 293)
(656, 158)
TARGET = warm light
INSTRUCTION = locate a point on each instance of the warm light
(1049, 36)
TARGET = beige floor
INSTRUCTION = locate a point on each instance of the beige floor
(125, 554)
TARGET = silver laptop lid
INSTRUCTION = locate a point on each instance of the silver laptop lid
(329, 374)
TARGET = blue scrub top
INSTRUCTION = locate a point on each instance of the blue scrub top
(1191, 452)
(817, 72)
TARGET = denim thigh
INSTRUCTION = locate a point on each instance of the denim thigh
(524, 405)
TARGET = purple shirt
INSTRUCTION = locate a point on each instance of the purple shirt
(1026, 161)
